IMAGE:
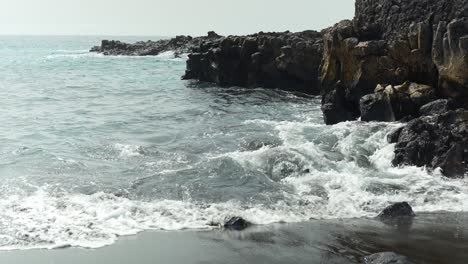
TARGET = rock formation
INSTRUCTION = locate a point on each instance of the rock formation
(179, 44)
(289, 61)
(422, 44)
(391, 42)
(236, 223)
(397, 210)
(435, 141)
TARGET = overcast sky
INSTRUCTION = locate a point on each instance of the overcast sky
(167, 17)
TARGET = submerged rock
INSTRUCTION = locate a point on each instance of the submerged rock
(257, 144)
(237, 223)
(386, 258)
(397, 210)
(179, 44)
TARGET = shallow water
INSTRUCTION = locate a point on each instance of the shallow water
(95, 147)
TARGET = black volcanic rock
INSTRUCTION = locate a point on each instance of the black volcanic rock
(436, 107)
(392, 42)
(179, 44)
(288, 61)
(435, 141)
(396, 210)
(395, 102)
(236, 223)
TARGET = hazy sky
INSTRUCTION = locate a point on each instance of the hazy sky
(167, 17)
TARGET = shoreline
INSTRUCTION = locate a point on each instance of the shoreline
(428, 238)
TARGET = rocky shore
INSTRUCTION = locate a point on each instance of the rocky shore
(288, 61)
(179, 44)
(394, 61)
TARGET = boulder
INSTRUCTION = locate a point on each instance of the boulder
(397, 210)
(438, 141)
(376, 107)
(435, 107)
(395, 102)
(386, 258)
(236, 223)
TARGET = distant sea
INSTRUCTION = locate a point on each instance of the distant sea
(94, 147)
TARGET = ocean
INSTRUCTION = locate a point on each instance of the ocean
(95, 147)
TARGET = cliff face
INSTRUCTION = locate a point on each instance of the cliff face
(289, 61)
(395, 61)
(390, 42)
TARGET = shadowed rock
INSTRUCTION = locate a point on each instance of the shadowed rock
(397, 210)
(395, 102)
(286, 60)
(437, 107)
(435, 141)
(237, 223)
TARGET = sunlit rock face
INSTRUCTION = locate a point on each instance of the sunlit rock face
(389, 43)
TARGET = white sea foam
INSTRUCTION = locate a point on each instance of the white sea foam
(74, 55)
(334, 186)
(128, 151)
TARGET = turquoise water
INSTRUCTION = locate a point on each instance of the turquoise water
(94, 147)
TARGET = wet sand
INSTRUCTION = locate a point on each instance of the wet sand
(429, 238)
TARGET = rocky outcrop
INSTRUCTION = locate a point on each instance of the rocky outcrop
(396, 210)
(288, 61)
(236, 223)
(179, 44)
(391, 42)
(450, 54)
(435, 141)
(394, 103)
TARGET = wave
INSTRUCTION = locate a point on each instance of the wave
(340, 171)
(79, 54)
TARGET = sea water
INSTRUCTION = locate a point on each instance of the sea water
(95, 147)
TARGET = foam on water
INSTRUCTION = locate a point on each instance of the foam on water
(127, 151)
(332, 187)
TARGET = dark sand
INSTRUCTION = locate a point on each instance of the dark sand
(429, 238)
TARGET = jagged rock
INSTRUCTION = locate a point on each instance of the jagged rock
(386, 258)
(435, 141)
(179, 44)
(285, 60)
(450, 55)
(394, 135)
(376, 107)
(436, 107)
(236, 223)
(397, 210)
(392, 42)
(395, 102)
